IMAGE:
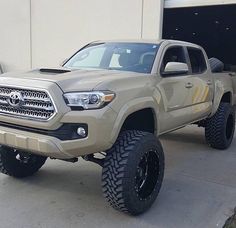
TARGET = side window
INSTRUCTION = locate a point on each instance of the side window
(197, 60)
(173, 54)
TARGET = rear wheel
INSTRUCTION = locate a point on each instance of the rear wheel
(219, 130)
(133, 172)
(18, 163)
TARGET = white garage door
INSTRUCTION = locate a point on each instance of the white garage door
(191, 3)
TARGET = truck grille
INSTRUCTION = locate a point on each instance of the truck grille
(26, 103)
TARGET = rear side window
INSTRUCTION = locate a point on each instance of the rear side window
(197, 60)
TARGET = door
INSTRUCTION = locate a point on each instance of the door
(203, 86)
(176, 91)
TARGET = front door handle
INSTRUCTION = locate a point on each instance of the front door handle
(209, 82)
(188, 85)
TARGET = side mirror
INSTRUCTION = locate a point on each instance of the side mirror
(175, 68)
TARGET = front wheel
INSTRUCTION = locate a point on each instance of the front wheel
(133, 172)
(18, 163)
(219, 130)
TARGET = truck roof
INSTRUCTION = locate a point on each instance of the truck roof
(151, 41)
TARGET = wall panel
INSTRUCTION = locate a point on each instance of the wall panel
(15, 34)
(60, 27)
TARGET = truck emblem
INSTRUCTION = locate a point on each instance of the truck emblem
(15, 99)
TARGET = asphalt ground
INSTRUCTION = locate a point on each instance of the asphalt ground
(199, 190)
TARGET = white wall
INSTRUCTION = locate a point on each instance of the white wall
(15, 34)
(152, 19)
(44, 32)
(60, 27)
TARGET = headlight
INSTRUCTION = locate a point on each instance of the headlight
(89, 100)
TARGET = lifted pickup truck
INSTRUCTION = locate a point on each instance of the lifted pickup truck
(114, 98)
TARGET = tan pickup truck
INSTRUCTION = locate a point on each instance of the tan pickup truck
(108, 104)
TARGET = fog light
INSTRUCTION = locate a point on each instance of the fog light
(81, 131)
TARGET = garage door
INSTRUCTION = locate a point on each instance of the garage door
(213, 27)
(191, 3)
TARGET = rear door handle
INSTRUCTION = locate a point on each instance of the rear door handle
(188, 85)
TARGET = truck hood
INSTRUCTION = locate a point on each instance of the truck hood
(75, 80)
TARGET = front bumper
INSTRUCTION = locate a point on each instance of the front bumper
(67, 131)
(100, 124)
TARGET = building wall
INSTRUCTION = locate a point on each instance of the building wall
(152, 18)
(45, 32)
(15, 34)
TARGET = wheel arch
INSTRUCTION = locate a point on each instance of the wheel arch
(132, 113)
(225, 96)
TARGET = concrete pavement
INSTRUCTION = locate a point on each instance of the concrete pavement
(199, 190)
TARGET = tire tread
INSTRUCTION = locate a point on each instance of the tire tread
(114, 169)
(214, 127)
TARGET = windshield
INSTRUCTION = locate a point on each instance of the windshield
(136, 57)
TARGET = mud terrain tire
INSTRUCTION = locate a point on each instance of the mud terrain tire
(133, 172)
(219, 130)
(19, 164)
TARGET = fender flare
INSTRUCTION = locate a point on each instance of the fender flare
(131, 107)
(219, 93)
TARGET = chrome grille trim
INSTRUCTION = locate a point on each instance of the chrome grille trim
(36, 105)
